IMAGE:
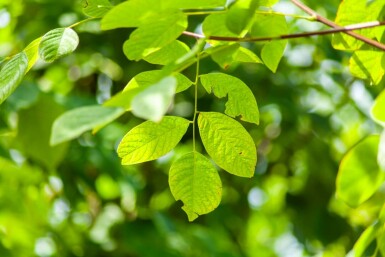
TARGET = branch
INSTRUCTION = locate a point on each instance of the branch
(335, 26)
(346, 29)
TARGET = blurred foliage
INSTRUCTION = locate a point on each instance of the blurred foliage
(76, 199)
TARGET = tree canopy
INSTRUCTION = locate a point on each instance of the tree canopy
(192, 128)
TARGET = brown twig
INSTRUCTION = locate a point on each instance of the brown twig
(330, 23)
(345, 29)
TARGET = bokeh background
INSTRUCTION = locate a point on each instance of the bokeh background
(76, 199)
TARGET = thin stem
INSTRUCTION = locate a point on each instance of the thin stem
(196, 98)
(81, 22)
(330, 23)
(345, 29)
(310, 18)
(204, 12)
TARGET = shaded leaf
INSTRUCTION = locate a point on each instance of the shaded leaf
(241, 15)
(228, 143)
(11, 75)
(73, 123)
(233, 54)
(194, 180)
(153, 102)
(359, 175)
(215, 25)
(96, 8)
(57, 43)
(241, 100)
(35, 139)
(151, 140)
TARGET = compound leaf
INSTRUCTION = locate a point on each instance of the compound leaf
(151, 140)
(228, 143)
(241, 100)
(194, 180)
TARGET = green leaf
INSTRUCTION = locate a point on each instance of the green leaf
(268, 26)
(241, 15)
(381, 152)
(194, 180)
(32, 52)
(57, 43)
(148, 78)
(353, 12)
(368, 65)
(359, 175)
(73, 123)
(215, 25)
(241, 100)
(153, 102)
(151, 140)
(365, 240)
(96, 8)
(228, 143)
(34, 139)
(11, 75)
(193, 4)
(168, 53)
(151, 37)
(131, 14)
(233, 54)
(378, 108)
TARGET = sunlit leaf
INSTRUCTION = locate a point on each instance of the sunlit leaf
(57, 43)
(151, 140)
(153, 102)
(96, 8)
(359, 175)
(73, 123)
(368, 65)
(215, 25)
(228, 143)
(241, 101)
(133, 13)
(168, 53)
(193, 4)
(378, 108)
(381, 151)
(266, 26)
(366, 238)
(353, 12)
(11, 75)
(32, 52)
(148, 78)
(194, 180)
(151, 37)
